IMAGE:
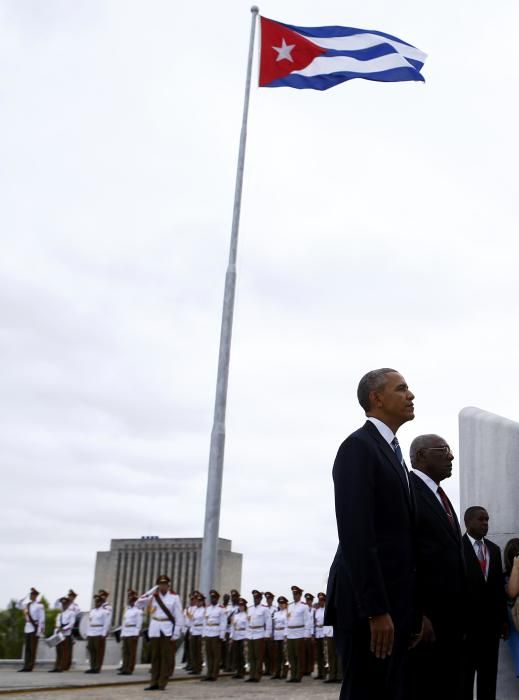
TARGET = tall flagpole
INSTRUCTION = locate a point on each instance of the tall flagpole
(216, 453)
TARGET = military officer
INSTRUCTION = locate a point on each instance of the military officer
(225, 659)
(309, 639)
(34, 628)
(320, 640)
(106, 605)
(166, 626)
(99, 620)
(130, 631)
(334, 660)
(269, 643)
(196, 630)
(259, 629)
(188, 614)
(215, 626)
(239, 627)
(232, 609)
(279, 632)
(299, 626)
(65, 622)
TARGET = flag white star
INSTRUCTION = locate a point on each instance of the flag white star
(284, 51)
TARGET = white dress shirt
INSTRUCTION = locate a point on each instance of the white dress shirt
(279, 625)
(299, 621)
(260, 622)
(132, 621)
(196, 624)
(159, 621)
(37, 612)
(239, 626)
(319, 623)
(65, 622)
(215, 621)
(430, 483)
(99, 620)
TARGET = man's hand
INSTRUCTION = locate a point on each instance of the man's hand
(428, 635)
(382, 635)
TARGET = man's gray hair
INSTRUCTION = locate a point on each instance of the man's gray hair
(372, 381)
(421, 442)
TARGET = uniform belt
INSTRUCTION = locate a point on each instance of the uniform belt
(96, 625)
(161, 619)
(319, 625)
(295, 627)
(198, 624)
(257, 627)
(130, 625)
(213, 624)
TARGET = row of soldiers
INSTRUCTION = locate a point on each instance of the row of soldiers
(280, 640)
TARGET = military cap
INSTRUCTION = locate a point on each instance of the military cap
(213, 592)
(296, 589)
(132, 594)
(309, 596)
(242, 601)
(282, 599)
(199, 596)
(34, 591)
(321, 596)
(64, 600)
(104, 594)
(268, 594)
(233, 591)
(255, 592)
(163, 579)
(72, 594)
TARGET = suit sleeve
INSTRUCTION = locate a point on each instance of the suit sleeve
(353, 476)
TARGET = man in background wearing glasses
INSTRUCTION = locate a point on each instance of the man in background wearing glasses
(436, 662)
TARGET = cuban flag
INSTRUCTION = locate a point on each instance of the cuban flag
(321, 57)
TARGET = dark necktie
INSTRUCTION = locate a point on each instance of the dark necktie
(398, 454)
(446, 506)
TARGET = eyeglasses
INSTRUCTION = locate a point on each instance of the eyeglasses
(444, 448)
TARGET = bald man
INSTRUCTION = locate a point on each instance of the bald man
(436, 662)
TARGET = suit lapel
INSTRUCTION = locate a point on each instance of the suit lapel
(388, 452)
(437, 507)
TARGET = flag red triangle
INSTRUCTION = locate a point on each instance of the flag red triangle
(283, 51)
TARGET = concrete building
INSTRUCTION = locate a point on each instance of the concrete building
(489, 477)
(136, 564)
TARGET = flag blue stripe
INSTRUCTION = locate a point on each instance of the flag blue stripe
(323, 82)
(363, 54)
(370, 53)
(327, 32)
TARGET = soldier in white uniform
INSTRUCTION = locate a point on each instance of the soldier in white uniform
(166, 626)
(269, 643)
(99, 620)
(64, 624)
(188, 614)
(34, 628)
(239, 626)
(106, 605)
(232, 609)
(196, 631)
(299, 627)
(309, 639)
(334, 660)
(260, 629)
(130, 631)
(214, 632)
(320, 640)
(279, 633)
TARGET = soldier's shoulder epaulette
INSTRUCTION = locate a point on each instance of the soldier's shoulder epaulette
(173, 593)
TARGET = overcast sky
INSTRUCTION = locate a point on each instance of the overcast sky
(378, 228)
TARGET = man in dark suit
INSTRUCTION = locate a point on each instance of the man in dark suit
(486, 606)
(436, 663)
(371, 586)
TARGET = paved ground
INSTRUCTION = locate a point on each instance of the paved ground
(191, 689)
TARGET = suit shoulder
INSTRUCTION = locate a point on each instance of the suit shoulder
(493, 545)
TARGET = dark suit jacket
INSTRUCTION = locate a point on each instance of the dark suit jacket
(439, 560)
(486, 599)
(374, 568)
